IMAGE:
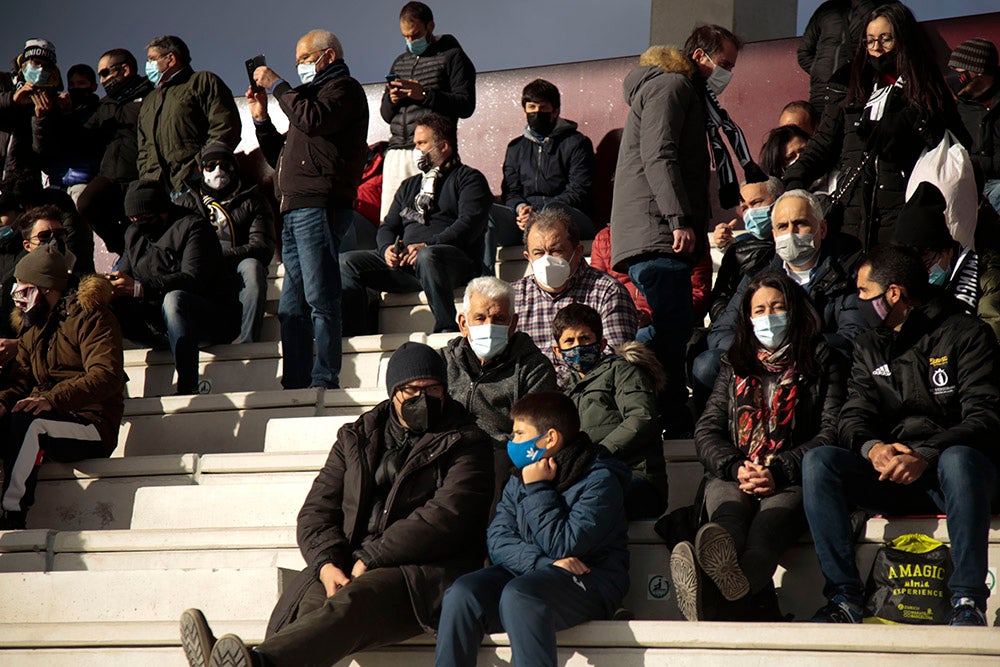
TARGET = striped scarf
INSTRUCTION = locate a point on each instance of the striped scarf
(718, 119)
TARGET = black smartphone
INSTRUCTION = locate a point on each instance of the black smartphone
(252, 64)
(389, 78)
(399, 247)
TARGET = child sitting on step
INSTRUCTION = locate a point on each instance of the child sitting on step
(615, 394)
(558, 542)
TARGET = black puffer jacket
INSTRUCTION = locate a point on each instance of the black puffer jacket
(182, 254)
(114, 129)
(252, 223)
(558, 169)
(982, 121)
(18, 158)
(814, 422)
(448, 78)
(746, 256)
(870, 207)
(434, 521)
(828, 45)
(321, 157)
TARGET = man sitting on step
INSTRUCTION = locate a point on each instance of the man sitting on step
(491, 364)
(398, 513)
(431, 239)
(919, 430)
(63, 396)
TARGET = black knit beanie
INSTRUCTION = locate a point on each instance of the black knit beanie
(414, 361)
(43, 267)
(921, 222)
(145, 198)
(217, 150)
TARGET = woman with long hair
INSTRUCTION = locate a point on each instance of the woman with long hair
(897, 104)
(777, 396)
(781, 149)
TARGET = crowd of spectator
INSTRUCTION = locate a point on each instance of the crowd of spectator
(850, 357)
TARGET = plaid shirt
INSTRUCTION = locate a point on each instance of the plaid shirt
(536, 309)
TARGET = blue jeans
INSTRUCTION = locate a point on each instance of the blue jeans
(253, 296)
(531, 608)
(835, 480)
(310, 296)
(666, 284)
(192, 320)
(704, 370)
(992, 193)
(438, 271)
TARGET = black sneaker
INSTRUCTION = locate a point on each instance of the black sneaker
(965, 612)
(838, 610)
(716, 553)
(687, 582)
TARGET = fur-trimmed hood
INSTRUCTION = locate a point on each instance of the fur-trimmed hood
(90, 293)
(657, 61)
(643, 358)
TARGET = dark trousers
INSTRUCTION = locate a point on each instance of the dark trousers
(373, 610)
(438, 271)
(762, 528)
(961, 485)
(102, 203)
(29, 440)
(530, 608)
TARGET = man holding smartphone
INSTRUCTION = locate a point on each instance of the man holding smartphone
(319, 162)
(432, 75)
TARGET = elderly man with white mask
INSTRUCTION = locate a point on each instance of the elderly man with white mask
(561, 276)
(492, 364)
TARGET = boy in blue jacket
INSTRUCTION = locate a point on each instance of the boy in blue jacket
(559, 542)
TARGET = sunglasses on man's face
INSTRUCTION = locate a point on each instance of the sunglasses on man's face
(106, 72)
(48, 235)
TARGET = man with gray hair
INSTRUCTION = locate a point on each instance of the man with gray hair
(186, 111)
(812, 257)
(492, 364)
(751, 252)
(319, 163)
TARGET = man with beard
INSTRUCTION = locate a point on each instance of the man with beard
(64, 399)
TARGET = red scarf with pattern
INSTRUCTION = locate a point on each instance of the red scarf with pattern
(763, 427)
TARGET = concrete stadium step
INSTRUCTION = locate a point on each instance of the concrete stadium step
(232, 422)
(257, 366)
(409, 312)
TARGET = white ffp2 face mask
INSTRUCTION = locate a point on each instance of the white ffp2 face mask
(551, 272)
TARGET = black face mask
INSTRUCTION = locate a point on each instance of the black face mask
(541, 122)
(874, 311)
(58, 243)
(420, 412)
(956, 80)
(79, 96)
(37, 316)
(885, 63)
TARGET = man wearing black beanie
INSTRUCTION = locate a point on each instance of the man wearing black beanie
(171, 287)
(398, 512)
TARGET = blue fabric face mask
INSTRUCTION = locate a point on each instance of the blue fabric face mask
(153, 72)
(524, 453)
(937, 276)
(758, 221)
(7, 232)
(770, 330)
(488, 340)
(582, 357)
(417, 46)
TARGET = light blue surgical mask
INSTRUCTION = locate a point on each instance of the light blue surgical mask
(153, 72)
(758, 221)
(525, 453)
(937, 276)
(771, 330)
(35, 75)
(7, 232)
(417, 46)
(488, 340)
(307, 72)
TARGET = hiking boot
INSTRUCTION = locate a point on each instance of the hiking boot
(197, 639)
(838, 610)
(716, 553)
(687, 582)
(964, 611)
(230, 651)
